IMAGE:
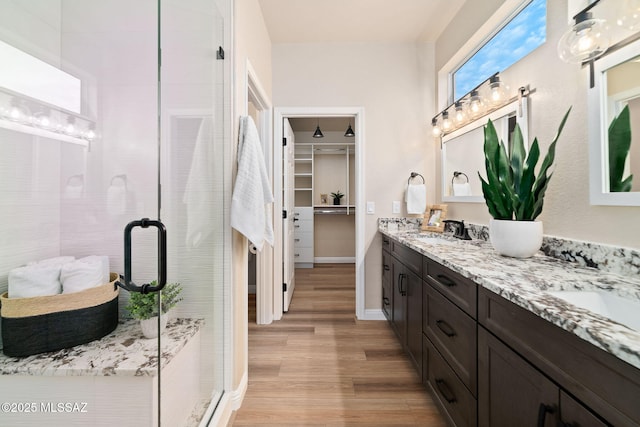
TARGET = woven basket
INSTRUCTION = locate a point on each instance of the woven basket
(41, 324)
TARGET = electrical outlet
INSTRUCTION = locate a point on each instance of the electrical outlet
(395, 207)
(371, 208)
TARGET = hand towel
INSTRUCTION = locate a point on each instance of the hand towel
(416, 198)
(252, 190)
(84, 273)
(198, 193)
(37, 280)
(462, 189)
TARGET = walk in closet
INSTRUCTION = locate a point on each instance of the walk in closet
(324, 229)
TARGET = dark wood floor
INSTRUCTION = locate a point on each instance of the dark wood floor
(319, 366)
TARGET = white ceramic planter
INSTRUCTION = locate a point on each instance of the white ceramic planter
(150, 326)
(518, 239)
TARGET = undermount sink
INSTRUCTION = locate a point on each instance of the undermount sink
(606, 304)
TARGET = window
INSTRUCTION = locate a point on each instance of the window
(520, 36)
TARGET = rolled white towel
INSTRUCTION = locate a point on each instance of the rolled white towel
(416, 198)
(84, 273)
(59, 260)
(36, 280)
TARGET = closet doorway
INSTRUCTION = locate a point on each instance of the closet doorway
(326, 231)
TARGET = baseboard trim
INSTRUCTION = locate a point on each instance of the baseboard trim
(237, 396)
(373, 314)
(334, 260)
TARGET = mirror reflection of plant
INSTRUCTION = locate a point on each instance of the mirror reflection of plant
(619, 145)
(145, 306)
(512, 191)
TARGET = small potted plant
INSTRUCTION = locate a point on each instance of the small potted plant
(336, 197)
(144, 307)
(513, 192)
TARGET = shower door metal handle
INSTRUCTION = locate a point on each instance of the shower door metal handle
(162, 257)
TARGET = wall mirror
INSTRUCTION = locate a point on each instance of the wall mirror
(614, 129)
(463, 151)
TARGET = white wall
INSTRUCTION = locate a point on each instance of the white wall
(558, 85)
(252, 43)
(387, 81)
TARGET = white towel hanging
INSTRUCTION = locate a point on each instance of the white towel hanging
(252, 190)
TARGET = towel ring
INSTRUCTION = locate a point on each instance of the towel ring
(123, 177)
(73, 178)
(413, 175)
(456, 174)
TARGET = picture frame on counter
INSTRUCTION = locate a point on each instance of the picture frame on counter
(434, 218)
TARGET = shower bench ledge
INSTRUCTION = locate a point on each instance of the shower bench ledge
(107, 381)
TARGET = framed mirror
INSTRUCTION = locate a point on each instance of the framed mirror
(614, 129)
(463, 151)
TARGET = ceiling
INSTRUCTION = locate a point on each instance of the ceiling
(335, 124)
(321, 21)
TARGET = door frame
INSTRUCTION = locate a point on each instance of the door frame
(255, 93)
(357, 113)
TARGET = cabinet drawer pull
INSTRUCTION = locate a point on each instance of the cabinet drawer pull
(401, 289)
(296, 226)
(296, 254)
(385, 241)
(445, 391)
(385, 300)
(445, 280)
(542, 413)
(446, 328)
(386, 267)
(296, 240)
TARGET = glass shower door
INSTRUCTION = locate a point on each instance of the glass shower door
(107, 130)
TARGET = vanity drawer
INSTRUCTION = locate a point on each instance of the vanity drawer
(459, 406)
(386, 243)
(460, 290)
(303, 239)
(304, 254)
(453, 333)
(409, 257)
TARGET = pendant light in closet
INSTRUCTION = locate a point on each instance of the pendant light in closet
(349, 133)
(318, 132)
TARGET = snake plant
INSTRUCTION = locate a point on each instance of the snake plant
(512, 190)
(619, 144)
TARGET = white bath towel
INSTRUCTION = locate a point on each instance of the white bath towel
(416, 198)
(84, 273)
(252, 190)
(462, 189)
(55, 261)
(35, 280)
(198, 194)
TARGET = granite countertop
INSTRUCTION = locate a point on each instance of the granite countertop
(525, 282)
(124, 352)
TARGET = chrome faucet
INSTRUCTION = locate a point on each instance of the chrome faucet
(461, 231)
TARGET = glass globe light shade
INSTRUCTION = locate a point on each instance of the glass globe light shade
(446, 122)
(586, 40)
(435, 129)
(476, 104)
(460, 113)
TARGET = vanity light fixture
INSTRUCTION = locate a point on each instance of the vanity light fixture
(484, 99)
(349, 133)
(318, 132)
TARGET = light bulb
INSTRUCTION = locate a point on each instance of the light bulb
(446, 121)
(497, 94)
(476, 105)
(90, 135)
(586, 40)
(15, 114)
(460, 115)
(435, 130)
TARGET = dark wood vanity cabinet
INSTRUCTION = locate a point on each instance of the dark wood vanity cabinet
(488, 362)
(406, 304)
